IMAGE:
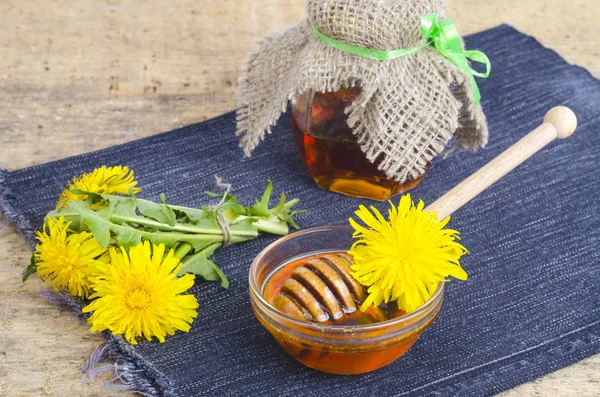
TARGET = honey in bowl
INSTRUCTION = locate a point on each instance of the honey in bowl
(317, 289)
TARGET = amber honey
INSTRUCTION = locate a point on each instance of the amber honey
(330, 150)
(355, 349)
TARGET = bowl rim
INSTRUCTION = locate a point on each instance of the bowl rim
(255, 292)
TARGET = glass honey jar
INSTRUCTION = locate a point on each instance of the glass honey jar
(408, 87)
(331, 151)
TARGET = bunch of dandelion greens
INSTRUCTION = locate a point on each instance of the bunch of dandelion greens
(136, 259)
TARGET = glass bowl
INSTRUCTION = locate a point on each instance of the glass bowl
(338, 349)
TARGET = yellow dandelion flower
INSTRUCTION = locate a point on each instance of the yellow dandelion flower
(138, 294)
(104, 180)
(404, 258)
(66, 259)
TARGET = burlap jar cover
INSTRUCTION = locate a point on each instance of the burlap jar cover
(410, 107)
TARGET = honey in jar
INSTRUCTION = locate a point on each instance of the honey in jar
(331, 151)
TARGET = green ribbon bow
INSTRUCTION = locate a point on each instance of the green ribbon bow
(442, 35)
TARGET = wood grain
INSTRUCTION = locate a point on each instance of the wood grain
(79, 76)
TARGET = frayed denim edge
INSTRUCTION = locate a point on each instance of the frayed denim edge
(8, 208)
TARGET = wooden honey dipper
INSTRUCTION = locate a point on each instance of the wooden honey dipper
(322, 289)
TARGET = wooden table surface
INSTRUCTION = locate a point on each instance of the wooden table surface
(77, 76)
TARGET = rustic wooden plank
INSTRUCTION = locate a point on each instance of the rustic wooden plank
(81, 76)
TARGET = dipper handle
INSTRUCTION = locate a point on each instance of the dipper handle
(560, 122)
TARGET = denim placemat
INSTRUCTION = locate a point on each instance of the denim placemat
(530, 306)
